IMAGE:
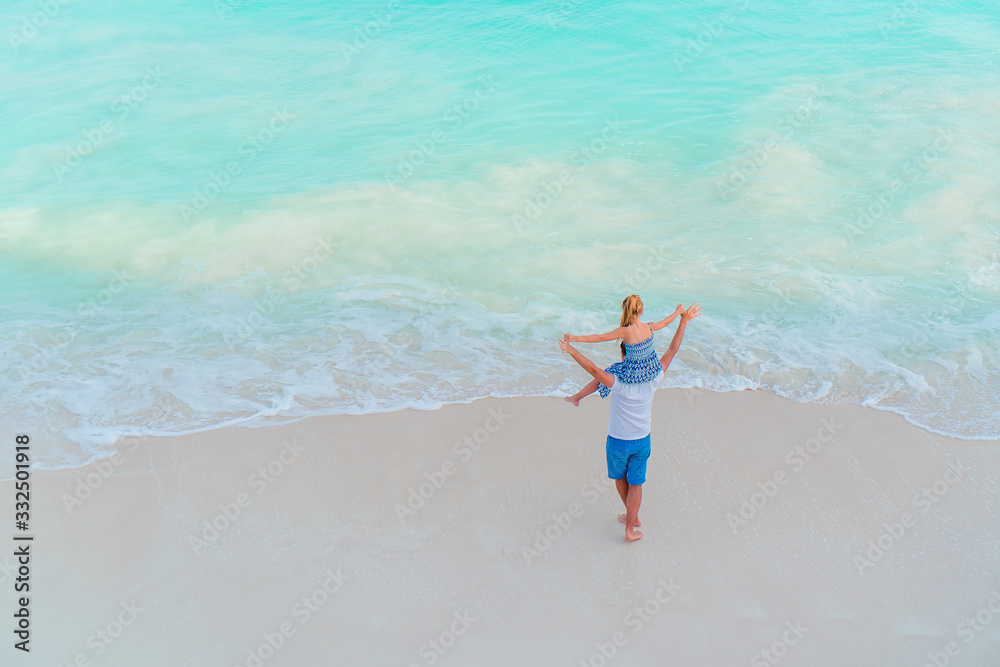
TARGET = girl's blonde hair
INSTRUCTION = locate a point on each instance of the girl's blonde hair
(631, 307)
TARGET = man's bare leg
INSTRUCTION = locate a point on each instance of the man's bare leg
(632, 502)
(622, 486)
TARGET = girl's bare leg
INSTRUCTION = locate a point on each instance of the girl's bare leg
(588, 389)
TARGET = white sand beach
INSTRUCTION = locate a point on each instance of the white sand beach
(288, 293)
(870, 542)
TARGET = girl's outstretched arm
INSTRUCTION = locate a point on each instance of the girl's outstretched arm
(595, 338)
(668, 319)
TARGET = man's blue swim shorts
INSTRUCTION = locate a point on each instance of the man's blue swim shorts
(627, 459)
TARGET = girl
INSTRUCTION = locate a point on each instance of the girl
(639, 361)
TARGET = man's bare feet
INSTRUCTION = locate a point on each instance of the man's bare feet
(632, 536)
(621, 519)
(573, 399)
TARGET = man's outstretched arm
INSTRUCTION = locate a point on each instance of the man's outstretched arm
(693, 311)
(599, 374)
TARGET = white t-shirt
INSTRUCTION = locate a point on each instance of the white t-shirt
(630, 406)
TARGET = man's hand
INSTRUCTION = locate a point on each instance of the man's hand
(693, 311)
(565, 346)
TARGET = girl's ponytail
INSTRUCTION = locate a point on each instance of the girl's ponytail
(631, 307)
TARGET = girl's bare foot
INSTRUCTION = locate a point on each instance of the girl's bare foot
(572, 399)
(633, 536)
(621, 519)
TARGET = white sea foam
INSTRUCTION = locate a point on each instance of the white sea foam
(857, 263)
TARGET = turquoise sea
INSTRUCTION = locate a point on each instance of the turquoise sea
(232, 211)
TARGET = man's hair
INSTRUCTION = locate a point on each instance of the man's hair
(622, 346)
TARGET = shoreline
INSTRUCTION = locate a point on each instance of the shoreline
(463, 525)
(270, 421)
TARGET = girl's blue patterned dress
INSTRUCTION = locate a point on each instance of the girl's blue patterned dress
(641, 365)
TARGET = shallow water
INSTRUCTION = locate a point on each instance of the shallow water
(216, 212)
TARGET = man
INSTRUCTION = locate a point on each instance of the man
(628, 442)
